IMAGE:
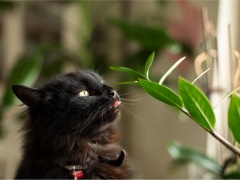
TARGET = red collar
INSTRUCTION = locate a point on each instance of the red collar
(78, 174)
(76, 171)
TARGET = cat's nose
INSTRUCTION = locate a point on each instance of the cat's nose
(113, 93)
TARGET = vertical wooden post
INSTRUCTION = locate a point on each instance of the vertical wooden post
(13, 47)
(13, 36)
(222, 75)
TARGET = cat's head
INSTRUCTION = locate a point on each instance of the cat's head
(76, 102)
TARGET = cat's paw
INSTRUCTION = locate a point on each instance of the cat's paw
(114, 162)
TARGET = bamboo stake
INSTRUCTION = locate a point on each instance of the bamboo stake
(228, 11)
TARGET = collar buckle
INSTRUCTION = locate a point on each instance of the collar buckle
(75, 167)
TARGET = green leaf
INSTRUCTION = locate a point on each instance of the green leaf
(200, 75)
(232, 175)
(25, 72)
(226, 97)
(162, 93)
(148, 36)
(171, 69)
(148, 65)
(197, 104)
(127, 70)
(234, 117)
(183, 155)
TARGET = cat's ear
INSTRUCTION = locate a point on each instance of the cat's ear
(28, 96)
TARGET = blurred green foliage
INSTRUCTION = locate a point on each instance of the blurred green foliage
(5, 5)
(46, 59)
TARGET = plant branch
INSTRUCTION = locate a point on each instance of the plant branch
(226, 143)
(217, 136)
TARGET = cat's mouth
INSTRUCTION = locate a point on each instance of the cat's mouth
(116, 104)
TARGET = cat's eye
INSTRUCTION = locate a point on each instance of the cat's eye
(84, 93)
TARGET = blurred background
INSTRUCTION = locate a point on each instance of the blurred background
(41, 39)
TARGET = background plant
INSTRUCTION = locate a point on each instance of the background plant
(47, 57)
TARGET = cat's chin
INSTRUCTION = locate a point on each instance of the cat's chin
(114, 111)
(114, 108)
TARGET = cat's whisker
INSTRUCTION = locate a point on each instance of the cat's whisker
(132, 113)
(88, 122)
(100, 67)
(93, 116)
(126, 96)
(131, 100)
(128, 104)
(126, 93)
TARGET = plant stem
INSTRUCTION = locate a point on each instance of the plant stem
(224, 142)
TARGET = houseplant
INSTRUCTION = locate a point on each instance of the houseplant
(192, 101)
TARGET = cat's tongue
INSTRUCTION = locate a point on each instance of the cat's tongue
(116, 103)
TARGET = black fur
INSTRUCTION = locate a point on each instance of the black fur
(66, 129)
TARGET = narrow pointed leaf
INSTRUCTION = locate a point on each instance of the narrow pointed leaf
(162, 93)
(200, 75)
(127, 70)
(148, 65)
(183, 155)
(227, 96)
(234, 117)
(171, 70)
(197, 104)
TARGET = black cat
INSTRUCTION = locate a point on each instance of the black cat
(72, 131)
